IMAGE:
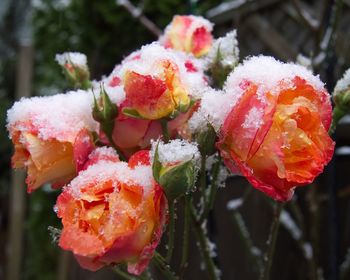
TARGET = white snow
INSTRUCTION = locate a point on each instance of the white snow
(59, 116)
(253, 118)
(176, 151)
(288, 222)
(117, 172)
(308, 252)
(214, 107)
(148, 61)
(304, 61)
(343, 84)
(234, 204)
(75, 58)
(228, 47)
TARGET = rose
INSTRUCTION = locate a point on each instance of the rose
(276, 132)
(151, 86)
(51, 136)
(152, 96)
(190, 34)
(112, 213)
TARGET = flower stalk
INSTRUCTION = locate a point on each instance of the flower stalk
(271, 242)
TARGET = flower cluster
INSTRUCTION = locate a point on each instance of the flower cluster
(125, 147)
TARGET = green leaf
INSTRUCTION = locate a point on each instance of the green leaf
(130, 112)
(157, 165)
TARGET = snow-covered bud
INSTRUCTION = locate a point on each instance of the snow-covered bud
(223, 57)
(174, 166)
(206, 139)
(74, 66)
(341, 98)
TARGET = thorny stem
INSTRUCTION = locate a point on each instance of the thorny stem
(212, 191)
(204, 246)
(203, 179)
(185, 245)
(271, 242)
(246, 239)
(171, 231)
(164, 267)
(165, 130)
(295, 209)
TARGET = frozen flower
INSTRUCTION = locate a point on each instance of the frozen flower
(174, 166)
(52, 136)
(190, 34)
(276, 133)
(75, 68)
(112, 213)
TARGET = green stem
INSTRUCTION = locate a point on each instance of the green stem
(271, 242)
(123, 274)
(171, 231)
(203, 179)
(164, 267)
(185, 245)
(246, 240)
(204, 247)
(165, 130)
(212, 191)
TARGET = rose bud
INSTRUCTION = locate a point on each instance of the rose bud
(112, 213)
(174, 166)
(276, 132)
(190, 34)
(74, 66)
(51, 136)
(341, 98)
(223, 58)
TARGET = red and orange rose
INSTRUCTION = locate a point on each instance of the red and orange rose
(276, 134)
(112, 213)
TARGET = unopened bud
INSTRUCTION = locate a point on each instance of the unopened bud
(105, 111)
(174, 167)
(74, 66)
(223, 57)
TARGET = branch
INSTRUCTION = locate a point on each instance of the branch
(305, 16)
(137, 14)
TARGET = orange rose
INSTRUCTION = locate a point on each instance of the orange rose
(51, 137)
(277, 132)
(112, 213)
(190, 34)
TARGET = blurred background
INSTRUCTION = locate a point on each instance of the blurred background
(314, 239)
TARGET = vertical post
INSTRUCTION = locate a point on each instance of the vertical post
(18, 189)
